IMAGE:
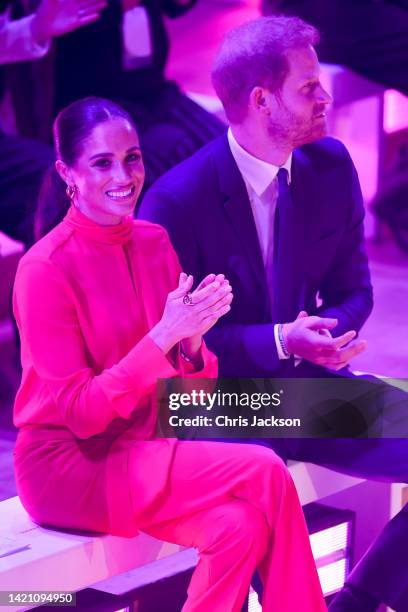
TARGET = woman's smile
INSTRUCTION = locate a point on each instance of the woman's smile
(122, 194)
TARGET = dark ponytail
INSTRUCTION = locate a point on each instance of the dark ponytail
(72, 127)
(53, 203)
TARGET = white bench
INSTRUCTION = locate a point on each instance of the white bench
(33, 558)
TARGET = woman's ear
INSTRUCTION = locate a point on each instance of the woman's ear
(64, 172)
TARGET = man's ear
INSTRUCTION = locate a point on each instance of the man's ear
(64, 172)
(259, 99)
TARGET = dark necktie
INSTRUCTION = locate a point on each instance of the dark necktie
(281, 247)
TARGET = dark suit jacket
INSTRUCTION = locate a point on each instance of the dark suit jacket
(89, 60)
(203, 203)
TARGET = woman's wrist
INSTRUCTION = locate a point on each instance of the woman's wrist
(191, 347)
(163, 337)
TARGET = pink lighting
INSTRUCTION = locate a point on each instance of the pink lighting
(395, 111)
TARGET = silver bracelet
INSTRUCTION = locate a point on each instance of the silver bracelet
(196, 361)
(282, 340)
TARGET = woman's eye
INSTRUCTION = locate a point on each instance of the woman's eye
(102, 163)
(133, 157)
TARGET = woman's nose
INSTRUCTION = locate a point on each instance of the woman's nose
(121, 173)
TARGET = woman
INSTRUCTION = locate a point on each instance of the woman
(103, 311)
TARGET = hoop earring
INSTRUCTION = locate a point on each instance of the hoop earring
(70, 191)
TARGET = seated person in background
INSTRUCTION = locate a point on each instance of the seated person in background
(368, 36)
(103, 311)
(94, 61)
(23, 161)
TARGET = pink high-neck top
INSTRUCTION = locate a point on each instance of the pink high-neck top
(85, 297)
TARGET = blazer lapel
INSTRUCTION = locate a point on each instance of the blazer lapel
(238, 209)
(304, 191)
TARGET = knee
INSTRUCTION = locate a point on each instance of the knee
(242, 529)
(270, 464)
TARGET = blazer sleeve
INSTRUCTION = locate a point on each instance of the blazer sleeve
(16, 41)
(53, 345)
(346, 290)
(242, 350)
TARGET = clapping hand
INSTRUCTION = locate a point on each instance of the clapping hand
(188, 315)
(310, 338)
(57, 17)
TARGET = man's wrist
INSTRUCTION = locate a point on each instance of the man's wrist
(281, 347)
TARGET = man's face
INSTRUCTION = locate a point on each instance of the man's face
(298, 110)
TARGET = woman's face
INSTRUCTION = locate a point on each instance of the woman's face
(109, 174)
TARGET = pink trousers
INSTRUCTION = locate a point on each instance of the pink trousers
(237, 504)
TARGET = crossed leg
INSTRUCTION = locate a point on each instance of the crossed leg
(237, 504)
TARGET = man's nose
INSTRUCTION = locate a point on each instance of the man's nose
(323, 96)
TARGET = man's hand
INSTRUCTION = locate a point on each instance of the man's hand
(310, 338)
(57, 17)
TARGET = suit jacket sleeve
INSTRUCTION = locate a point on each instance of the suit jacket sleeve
(346, 290)
(242, 350)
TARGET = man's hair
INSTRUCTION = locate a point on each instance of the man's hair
(255, 54)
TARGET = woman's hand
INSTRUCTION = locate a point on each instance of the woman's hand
(210, 301)
(192, 346)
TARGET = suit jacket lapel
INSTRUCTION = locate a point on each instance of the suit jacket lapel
(304, 191)
(238, 209)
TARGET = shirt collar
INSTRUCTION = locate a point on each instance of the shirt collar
(256, 173)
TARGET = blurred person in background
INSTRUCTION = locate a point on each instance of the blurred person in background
(371, 38)
(368, 36)
(123, 57)
(24, 161)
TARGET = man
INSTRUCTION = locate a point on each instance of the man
(278, 209)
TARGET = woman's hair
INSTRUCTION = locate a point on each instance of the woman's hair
(72, 127)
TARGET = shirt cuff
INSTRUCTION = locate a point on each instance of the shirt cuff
(36, 49)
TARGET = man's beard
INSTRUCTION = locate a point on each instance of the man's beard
(291, 131)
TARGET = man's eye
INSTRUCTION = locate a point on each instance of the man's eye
(310, 87)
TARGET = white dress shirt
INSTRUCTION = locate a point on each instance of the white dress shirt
(16, 40)
(136, 39)
(261, 182)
